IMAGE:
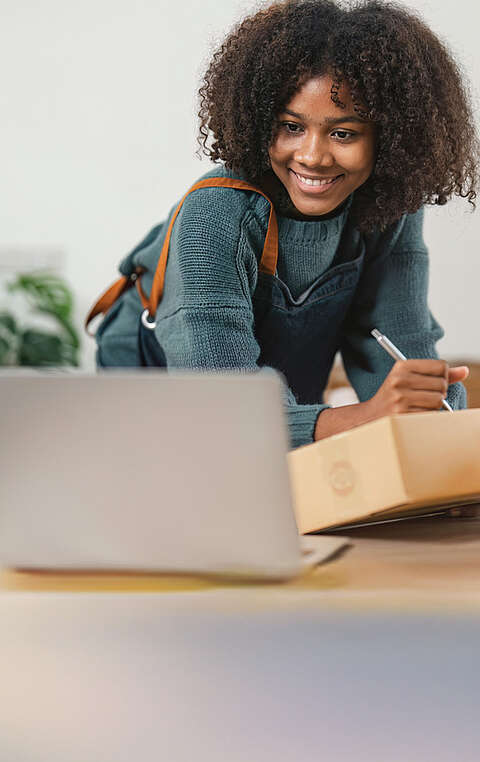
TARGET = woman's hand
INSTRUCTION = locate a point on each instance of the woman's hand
(411, 386)
(414, 386)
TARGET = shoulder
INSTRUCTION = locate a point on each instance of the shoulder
(206, 214)
(404, 235)
(219, 210)
(208, 259)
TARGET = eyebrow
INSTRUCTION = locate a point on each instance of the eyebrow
(329, 119)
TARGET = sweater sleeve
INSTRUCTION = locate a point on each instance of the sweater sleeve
(205, 319)
(392, 297)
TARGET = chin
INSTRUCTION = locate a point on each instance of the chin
(316, 210)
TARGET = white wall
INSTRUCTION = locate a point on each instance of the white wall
(97, 114)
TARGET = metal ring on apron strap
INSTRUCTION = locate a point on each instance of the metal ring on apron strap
(150, 324)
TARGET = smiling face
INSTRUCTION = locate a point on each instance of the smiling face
(320, 152)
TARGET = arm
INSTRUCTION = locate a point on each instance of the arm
(411, 386)
(392, 296)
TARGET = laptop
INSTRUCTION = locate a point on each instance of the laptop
(148, 471)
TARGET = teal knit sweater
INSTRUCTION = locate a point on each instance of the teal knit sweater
(205, 320)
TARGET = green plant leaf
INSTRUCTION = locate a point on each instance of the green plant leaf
(39, 348)
(48, 294)
(8, 339)
(5, 348)
(8, 323)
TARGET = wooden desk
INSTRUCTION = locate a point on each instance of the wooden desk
(427, 562)
(422, 562)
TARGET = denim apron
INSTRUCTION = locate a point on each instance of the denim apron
(299, 337)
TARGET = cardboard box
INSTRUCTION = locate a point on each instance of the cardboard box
(396, 466)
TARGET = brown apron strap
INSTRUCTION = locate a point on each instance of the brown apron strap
(268, 260)
(114, 292)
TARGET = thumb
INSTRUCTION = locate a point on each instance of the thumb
(459, 373)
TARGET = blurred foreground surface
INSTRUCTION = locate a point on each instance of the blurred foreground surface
(224, 677)
(372, 657)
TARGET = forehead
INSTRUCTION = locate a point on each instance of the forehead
(314, 98)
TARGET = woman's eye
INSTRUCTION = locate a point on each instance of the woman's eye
(291, 127)
(343, 134)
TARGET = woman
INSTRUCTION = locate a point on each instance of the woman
(334, 128)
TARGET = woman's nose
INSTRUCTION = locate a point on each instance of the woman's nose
(314, 151)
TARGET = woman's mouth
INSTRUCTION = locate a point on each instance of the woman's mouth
(314, 186)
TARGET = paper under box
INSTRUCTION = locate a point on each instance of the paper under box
(392, 467)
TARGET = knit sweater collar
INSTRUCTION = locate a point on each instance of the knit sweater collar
(315, 231)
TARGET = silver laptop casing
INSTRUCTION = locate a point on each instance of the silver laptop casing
(152, 471)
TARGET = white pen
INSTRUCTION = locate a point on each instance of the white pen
(395, 353)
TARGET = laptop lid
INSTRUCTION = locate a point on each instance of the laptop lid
(180, 472)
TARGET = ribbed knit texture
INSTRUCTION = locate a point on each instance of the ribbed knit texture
(205, 320)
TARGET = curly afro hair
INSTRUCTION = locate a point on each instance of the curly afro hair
(400, 76)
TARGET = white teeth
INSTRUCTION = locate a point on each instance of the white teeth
(309, 181)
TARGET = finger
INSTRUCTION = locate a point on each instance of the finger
(459, 373)
(427, 367)
(425, 400)
(422, 382)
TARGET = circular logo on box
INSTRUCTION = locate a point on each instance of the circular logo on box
(342, 477)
